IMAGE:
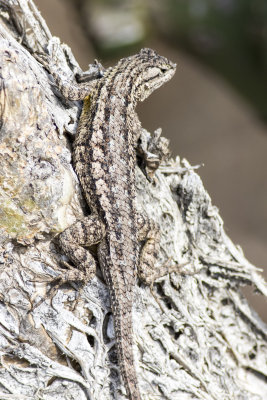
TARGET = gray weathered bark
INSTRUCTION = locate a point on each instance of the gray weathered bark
(196, 338)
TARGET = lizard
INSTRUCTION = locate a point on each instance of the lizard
(104, 159)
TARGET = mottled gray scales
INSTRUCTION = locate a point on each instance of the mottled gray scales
(104, 159)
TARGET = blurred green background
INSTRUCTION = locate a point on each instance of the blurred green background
(214, 110)
(230, 36)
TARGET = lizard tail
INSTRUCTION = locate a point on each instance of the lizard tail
(124, 337)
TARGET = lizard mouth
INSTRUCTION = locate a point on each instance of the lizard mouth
(169, 72)
(154, 82)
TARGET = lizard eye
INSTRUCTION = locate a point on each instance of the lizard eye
(163, 69)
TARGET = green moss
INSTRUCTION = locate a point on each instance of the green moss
(29, 204)
(11, 219)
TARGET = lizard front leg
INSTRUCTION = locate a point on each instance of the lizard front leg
(151, 148)
(67, 86)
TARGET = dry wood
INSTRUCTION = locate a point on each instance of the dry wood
(196, 336)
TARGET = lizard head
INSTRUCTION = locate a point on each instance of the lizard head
(154, 71)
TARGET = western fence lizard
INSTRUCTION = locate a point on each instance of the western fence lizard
(104, 158)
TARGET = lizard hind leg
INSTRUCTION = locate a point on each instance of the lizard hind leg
(149, 231)
(86, 232)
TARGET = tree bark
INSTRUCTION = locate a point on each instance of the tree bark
(196, 337)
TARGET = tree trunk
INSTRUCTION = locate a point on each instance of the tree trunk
(196, 336)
